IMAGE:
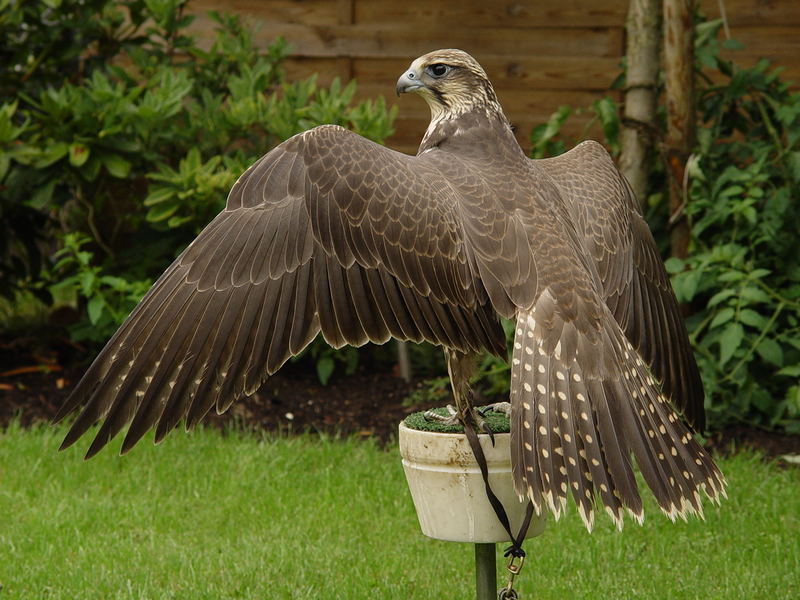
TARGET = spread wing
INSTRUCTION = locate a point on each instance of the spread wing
(635, 285)
(584, 402)
(327, 232)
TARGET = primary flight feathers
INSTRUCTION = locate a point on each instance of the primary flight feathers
(332, 233)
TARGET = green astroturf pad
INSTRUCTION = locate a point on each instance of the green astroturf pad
(496, 421)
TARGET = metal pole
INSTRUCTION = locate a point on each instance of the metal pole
(485, 572)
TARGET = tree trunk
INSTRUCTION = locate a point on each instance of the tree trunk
(679, 89)
(639, 128)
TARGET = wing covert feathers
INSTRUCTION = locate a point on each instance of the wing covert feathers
(300, 249)
(580, 411)
(635, 284)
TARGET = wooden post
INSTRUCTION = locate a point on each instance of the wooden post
(485, 572)
(679, 88)
(638, 123)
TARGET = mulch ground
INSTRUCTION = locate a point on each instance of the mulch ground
(366, 404)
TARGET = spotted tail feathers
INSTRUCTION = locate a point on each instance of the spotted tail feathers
(582, 405)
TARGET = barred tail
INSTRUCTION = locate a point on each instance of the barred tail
(582, 405)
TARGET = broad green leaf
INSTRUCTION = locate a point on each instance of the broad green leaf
(158, 195)
(754, 294)
(770, 351)
(720, 296)
(176, 221)
(607, 111)
(732, 44)
(791, 371)
(752, 318)
(42, 196)
(95, 309)
(162, 211)
(87, 279)
(116, 165)
(685, 284)
(192, 161)
(722, 317)
(53, 152)
(733, 190)
(117, 283)
(78, 154)
(121, 144)
(84, 257)
(729, 342)
(731, 275)
(674, 265)
(325, 368)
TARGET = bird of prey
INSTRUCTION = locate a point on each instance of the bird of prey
(332, 233)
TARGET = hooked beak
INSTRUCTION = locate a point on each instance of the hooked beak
(408, 82)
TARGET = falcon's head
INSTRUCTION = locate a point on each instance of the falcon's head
(451, 82)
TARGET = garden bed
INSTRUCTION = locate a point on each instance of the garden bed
(368, 403)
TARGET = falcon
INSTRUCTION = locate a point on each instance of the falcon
(332, 233)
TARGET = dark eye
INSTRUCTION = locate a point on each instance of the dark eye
(438, 70)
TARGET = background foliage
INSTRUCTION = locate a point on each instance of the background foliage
(743, 275)
(120, 137)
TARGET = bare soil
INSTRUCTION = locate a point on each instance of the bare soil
(369, 403)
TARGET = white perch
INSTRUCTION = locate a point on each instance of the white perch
(448, 490)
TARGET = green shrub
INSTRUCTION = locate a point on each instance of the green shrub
(120, 138)
(110, 298)
(743, 272)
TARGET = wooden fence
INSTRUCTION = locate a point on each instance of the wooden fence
(539, 54)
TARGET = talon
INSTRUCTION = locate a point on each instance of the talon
(499, 407)
(451, 419)
(482, 424)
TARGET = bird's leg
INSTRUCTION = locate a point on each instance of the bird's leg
(460, 366)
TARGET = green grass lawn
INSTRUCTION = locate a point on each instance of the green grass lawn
(217, 516)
